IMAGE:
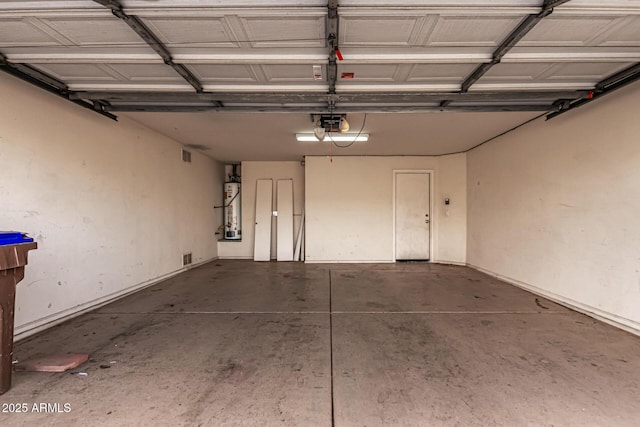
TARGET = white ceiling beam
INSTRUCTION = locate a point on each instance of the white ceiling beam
(207, 12)
(598, 11)
(130, 87)
(533, 86)
(54, 4)
(84, 58)
(53, 13)
(87, 9)
(399, 11)
(251, 58)
(376, 88)
(319, 88)
(239, 4)
(351, 58)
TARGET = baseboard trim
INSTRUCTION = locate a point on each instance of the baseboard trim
(462, 264)
(601, 315)
(314, 261)
(310, 261)
(32, 328)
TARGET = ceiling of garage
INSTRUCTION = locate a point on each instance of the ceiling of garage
(175, 65)
(270, 136)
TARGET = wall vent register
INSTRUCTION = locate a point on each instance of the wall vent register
(186, 156)
(186, 259)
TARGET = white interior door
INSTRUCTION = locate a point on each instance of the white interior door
(264, 211)
(285, 220)
(412, 216)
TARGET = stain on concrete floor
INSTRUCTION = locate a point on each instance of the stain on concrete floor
(243, 343)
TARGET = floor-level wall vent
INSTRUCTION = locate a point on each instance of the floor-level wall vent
(186, 259)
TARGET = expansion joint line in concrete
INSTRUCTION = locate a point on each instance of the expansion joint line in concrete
(333, 418)
(331, 313)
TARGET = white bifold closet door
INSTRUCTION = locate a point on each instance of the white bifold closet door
(284, 242)
(264, 211)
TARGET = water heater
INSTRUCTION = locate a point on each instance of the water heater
(232, 220)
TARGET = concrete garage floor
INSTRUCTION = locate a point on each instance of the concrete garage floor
(244, 343)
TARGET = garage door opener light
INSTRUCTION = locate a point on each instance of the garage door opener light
(333, 136)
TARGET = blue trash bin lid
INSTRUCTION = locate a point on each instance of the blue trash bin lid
(14, 238)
